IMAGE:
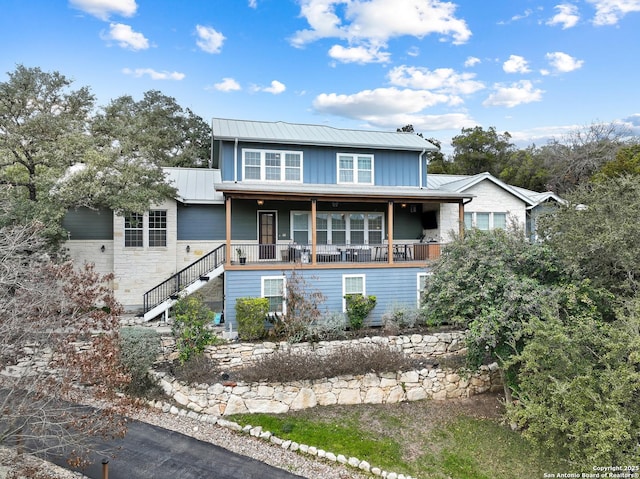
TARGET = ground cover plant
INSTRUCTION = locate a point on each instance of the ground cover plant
(462, 439)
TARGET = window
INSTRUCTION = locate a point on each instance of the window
(273, 288)
(352, 284)
(482, 221)
(422, 282)
(485, 221)
(157, 228)
(356, 169)
(499, 221)
(272, 165)
(133, 230)
(338, 228)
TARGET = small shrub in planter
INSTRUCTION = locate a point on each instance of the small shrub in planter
(250, 315)
(358, 308)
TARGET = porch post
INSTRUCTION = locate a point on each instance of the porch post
(313, 231)
(390, 232)
(227, 204)
(461, 218)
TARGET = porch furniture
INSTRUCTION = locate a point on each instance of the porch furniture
(328, 257)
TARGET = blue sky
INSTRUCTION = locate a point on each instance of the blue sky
(534, 68)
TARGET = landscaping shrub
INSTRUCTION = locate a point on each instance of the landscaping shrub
(400, 317)
(191, 327)
(288, 365)
(198, 369)
(139, 348)
(251, 314)
(358, 308)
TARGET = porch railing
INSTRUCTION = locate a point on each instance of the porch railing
(183, 278)
(335, 253)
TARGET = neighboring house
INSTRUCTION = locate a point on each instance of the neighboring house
(352, 212)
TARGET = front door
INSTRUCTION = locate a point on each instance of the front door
(267, 234)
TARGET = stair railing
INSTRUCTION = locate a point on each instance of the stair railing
(183, 278)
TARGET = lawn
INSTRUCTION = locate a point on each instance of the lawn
(462, 439)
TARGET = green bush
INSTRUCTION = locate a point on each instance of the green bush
(251, 314)
(191, 327)
(358, 308)
(139, 348)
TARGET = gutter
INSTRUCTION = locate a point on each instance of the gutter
(235, 161)
(420, 166)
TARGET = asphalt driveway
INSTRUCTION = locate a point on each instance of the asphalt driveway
(150, 452)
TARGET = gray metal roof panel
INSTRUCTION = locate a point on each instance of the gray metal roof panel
(195, 185)
(303, 134)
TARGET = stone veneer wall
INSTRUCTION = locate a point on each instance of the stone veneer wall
(228, 398)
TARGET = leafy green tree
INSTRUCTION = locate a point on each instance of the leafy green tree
(155, 128)
(526, 168)
(49, 161)
(477, 150)
(579, 383)
(596, 233)
(491, 283)
(191, 327)
(627, 162)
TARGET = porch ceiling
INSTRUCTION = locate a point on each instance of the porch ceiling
(342, 193)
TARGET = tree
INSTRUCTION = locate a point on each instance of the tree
(59, 350)
(491, 283)
(526, 168)
(596, 233)
(574, 159)
(477, 150)
(626, 162)
(156, 128)
(49, 161)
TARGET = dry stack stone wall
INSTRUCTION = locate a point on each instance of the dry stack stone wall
(229, 398)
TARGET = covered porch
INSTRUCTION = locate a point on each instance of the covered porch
(328, 226)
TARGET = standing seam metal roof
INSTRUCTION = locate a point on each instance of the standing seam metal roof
(293, 133)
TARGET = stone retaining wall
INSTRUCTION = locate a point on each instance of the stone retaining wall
(237, 398)
(415, 346)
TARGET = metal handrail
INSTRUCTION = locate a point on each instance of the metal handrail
(184, 278)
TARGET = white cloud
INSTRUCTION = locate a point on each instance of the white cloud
(471, 62)
(413, 51)
(563, 63)
(153, 74)
(371, 23)
(567, 16)
(253, 4)
(126, 37)
(609, 12)
(210, 40)
(104, 8)
(443, 80)
(516, 64)
(227, 84)
(276, 88)
(513, 95)
(358, 54)
(378, 102)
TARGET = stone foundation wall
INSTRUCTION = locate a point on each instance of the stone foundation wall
(237, 398)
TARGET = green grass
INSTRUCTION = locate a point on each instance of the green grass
(392, 437)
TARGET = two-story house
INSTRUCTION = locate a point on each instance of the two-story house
(352, 211)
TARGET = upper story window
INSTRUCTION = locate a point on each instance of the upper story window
(272, 165)
(355, 169)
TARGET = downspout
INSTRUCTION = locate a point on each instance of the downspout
(420, 166)
(235, 161)
(211, 158)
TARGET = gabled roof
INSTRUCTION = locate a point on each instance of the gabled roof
(321, 135)
(195, 185)
(461, 183)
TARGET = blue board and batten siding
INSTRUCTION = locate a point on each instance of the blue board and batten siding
(88, 224)
(391, 168)
(201, 222)
(239, 284)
